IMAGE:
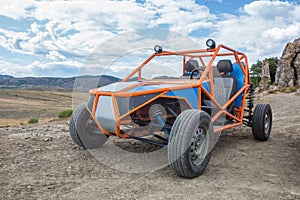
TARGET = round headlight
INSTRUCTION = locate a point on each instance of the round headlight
(210, 43)
(157, 49)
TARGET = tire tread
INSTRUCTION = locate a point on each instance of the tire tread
(258, 129)
(178, 143)
(72, 125)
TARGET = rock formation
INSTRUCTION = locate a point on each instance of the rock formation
(265, 71)
(265, 77)
(288, 68)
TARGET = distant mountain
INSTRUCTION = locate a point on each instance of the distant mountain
(83, 83)
(5, 76)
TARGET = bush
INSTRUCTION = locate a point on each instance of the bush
(255, 70)
(33, 120)
(290, 89)
(65, 113)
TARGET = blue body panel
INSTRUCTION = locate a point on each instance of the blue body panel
(206, 86)
(190, 94)
(238, 73)
(145, 87)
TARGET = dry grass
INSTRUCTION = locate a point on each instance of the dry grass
(17, 106)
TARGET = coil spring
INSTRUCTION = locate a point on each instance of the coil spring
(156, 110)
(250, 104)
(250, 98)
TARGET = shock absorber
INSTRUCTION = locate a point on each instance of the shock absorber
(157, 113)
(250, 104)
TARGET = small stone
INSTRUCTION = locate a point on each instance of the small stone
(291, 83)
(29, 187)
(65, 130)
(48, 139)
(295, 194)
(271, 175)
(52, 186)
(243, 149)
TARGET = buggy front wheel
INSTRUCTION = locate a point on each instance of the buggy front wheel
(188, 149)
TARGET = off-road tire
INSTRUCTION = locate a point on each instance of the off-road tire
(181, 143)
(79, 132)
(262, 122)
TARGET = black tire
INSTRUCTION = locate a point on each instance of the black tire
(187, 132)
(84, 131)
(262, 122)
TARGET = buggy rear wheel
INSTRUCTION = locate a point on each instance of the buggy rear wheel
(84, 131)
(188, 149)
(262, 122)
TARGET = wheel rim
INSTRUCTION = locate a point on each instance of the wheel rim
(267, 123)
(198, 147)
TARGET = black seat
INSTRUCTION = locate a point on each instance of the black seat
(225, 86)
(189, 66)
(226, 83)
(230, 81)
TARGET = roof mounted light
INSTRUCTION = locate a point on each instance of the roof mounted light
(158, 49)
(211, 44)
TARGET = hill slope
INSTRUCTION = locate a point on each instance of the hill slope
(82, 82)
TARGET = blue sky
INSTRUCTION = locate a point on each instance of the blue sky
(54, 38)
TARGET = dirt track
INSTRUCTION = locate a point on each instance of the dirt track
(41, 162)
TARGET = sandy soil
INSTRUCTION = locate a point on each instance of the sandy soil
(41, 162)
(18, 106)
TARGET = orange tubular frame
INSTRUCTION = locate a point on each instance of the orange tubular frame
(239, 57)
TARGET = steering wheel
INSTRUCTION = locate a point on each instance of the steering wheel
(196, 70)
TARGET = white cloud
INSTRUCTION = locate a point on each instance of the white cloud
(182, 16)
(262, 28)
(65, 32)
(34, 28)
(48, 65)
(55, 55)
(12, 40)
(90, 23)
(16, 9)
(271, 10)
(282, 34)
(14, 69)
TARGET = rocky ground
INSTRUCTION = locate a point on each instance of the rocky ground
(41, 162)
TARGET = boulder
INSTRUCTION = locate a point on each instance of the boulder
(288, 68)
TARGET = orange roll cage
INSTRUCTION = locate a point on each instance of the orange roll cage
(207, 75)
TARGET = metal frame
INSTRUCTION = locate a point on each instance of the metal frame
(237, 119)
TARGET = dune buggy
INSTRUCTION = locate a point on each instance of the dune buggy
(186, 112)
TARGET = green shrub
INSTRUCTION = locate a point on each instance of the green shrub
(33, 120)
(65, 113)
(290, 89)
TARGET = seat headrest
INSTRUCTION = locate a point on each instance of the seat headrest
(191, 65)
(225, 66)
